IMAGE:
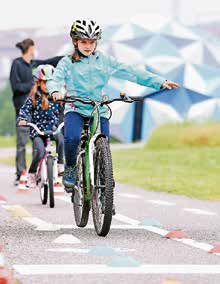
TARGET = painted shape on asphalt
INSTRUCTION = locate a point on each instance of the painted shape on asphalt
(123, 261)
(215, 249)
(72, 250)
(171, 281)
(67, 239)
(102, 251)
(177, 234)
(160, 202)
(18, 211)
(199, 211)
(128, 195)
(2, 199)
(150, 222)
(48, 269)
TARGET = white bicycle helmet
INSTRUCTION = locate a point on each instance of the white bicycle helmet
(85, 29)
(43, 72)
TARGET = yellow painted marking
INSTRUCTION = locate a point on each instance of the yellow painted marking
(171, 281)
(18, 211)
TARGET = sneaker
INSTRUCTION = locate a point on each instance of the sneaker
(16, 181)
(69, 178)
(31, 180)
(60, 168)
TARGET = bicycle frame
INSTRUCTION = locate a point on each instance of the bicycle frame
(42, 171)
(89, 151)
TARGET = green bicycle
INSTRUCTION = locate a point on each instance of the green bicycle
(95, 183)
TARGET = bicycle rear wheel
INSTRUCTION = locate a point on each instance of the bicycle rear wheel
(50, 180)
(102, 199)
(80, 205)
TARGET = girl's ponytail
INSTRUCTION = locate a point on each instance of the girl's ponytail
(45, 102)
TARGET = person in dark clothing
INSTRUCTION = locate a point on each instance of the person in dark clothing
(21, 80)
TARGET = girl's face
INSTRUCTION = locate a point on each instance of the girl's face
(86, 46)
(42, 85)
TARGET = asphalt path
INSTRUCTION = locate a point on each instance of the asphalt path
(43, 245)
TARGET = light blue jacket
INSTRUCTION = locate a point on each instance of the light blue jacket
(88, 77)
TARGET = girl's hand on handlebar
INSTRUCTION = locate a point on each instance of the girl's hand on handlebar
(58, 96)
(22, 123)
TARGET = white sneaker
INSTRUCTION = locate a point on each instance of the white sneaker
(31, 181)
(60, 168)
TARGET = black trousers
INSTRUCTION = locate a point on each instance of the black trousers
(39, 150)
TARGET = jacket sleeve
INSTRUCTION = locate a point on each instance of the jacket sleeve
(26, 110)
(59, 76)
(52, 61)
(133, 74)
(16, 84)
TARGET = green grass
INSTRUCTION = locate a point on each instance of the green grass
(185, 135)
(181, 159)
(7, 141)
(192, 172)
(10, 161)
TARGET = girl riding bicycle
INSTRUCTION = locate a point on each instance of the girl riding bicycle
(85, 73)
(46, 115)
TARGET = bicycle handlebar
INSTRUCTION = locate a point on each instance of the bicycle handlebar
(43, 133)
(123, 98)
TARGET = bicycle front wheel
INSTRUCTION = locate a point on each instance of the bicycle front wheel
(102, 199)
(42, 182)
(50, 180)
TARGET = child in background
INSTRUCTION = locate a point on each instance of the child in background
(46, 115)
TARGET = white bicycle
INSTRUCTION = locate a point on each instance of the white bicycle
(47, 172)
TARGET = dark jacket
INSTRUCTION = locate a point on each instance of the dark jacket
(21, 78)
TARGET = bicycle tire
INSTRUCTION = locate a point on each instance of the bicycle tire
(81, 207)
(50, 181)
(44, 193)
(103, 191)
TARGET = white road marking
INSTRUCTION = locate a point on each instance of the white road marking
(104, 269)
(40, 224)
(199, 211)
(129, 195)
(135, 224)
(126, 219)
(6, 206)
(160, 202)
(84, 251)
(162, 232)
(64, 198)
(91, 226)
(67, 239)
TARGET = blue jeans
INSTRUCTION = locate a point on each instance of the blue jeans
(74, 123)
